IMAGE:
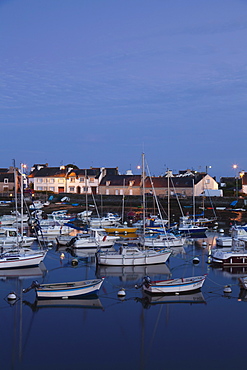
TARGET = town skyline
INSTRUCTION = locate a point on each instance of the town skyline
(164, 77)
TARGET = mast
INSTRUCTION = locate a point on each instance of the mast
(143, 195)
(16, 207)
(123, 201)
(168, 197)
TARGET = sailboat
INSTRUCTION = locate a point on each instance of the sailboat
(19, 257)
(163, 239)
(132, 255)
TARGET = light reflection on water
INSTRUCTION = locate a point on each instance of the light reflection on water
(135, 332)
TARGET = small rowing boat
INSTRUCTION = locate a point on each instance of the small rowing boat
(66, 290)
(173, 286)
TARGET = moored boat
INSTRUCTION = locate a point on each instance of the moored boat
(130, 256)
(66, 289)
(173, 286)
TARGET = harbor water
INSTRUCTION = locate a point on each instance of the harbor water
(205, 330)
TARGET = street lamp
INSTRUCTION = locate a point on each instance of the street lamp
(207, 167)
(235, 167)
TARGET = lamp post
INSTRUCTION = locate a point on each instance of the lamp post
(235, 167)
(207, 167)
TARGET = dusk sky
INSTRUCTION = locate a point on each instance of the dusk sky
(98, 82)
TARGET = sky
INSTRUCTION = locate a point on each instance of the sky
(99, 82)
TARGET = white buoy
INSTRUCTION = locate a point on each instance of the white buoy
(204, 243)
(221, 231)
(196, 260)
(227, 289)
(12, 296)
(121, 292)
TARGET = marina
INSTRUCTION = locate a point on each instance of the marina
(133, 322)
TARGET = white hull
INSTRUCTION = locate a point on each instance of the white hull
(92, 243)
(229, 258)
(66, 290)
(173, 286)
(132, 257)
(19, 260)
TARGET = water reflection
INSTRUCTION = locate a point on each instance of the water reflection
(132, 273)
(148, 300)
(92, 302)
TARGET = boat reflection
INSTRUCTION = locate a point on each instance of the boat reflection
(148, 300)
(24, 273)
(86, 252)
(132, 273)
(242, 295)
(92, 302)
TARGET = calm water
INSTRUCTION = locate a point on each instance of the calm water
(202, 331)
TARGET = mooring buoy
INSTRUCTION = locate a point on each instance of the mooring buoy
(12, 296)
(196, 260)
(74, 262)
(121, 292)
(227, 289)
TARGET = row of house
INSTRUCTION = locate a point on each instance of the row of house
(108, 181)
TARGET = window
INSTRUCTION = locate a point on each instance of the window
(52, 188)
(61, 180)
(39, 188)
(108, 183)
(91, 179)
(72, 179)
(6, 181)
(116, 192)
(52, 180)
(207, 181)
(81, 179)
(85, 189)
(72, 189)
(39, 180)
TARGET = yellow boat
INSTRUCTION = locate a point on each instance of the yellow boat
(120, 229)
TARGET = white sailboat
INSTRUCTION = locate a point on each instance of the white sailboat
(20, 257)
(132, 255)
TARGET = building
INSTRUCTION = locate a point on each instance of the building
(65, 179)
(7, 180)
(183, 184)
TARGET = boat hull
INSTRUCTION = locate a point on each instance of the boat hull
(67, 290)
(229, 258)
(12, 261)
(175, 286)
(132, 259)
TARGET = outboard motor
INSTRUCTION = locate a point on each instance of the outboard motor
(35, 284)
(145, 281)
(72, 241)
